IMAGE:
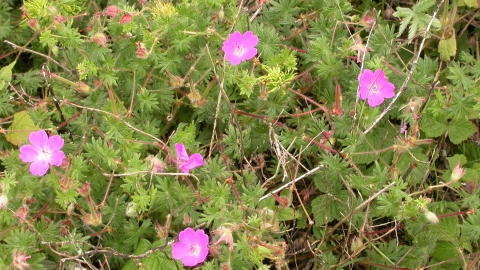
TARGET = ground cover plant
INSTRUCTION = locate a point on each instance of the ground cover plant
(249, 134)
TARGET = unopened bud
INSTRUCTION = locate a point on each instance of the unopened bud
(22, 213)
(111, 11)
(70, 209)
(142, 52)
(457, 173)
(60, 19)
(431, 217)
(83, 87)
(100, 39)
(85, 189)
(33, 23)
(126, 18)
(357, 245)
(131, 210)
(3, 201)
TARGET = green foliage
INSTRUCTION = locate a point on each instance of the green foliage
(415, 18)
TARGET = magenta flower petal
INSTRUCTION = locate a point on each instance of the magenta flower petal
(28, 153)
(239, 48)
(56, 158)
(186, 163)
(192, 247)
(42, 152)
(39, 167)
(181, 151)
(374, 87)
(195, 160)
(55, 143)
(39, 139)
(249, 39)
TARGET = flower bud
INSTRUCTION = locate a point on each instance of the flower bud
(100, 39)
(367, 21)
(111, 11)
(33, 23)
(457, 173)
(20, 260)
(3, 201)
(70, 209)
(357, 245)
(431, 217)
(85, 189)
(142, 52)
(225, 236)
(126, 18)
(22, 213)
(60, 19)
(131, 210)
(83, 88)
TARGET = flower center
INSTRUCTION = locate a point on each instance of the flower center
(239, 51)
(195, 249)
(374, 88)
(44, 155)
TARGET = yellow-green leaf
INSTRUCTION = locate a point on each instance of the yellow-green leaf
(471, 3)
(21, 128)
(6, 75)
(448, 47)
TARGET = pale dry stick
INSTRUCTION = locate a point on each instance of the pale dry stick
(292, 182)
(259, 9)
(17, 47)
(282, 157)
(130, 108)
(115, 253)
(118, 118)
(409, 75)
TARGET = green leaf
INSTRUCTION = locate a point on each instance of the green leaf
(416, 18)
(6, 75)
(21, 128)
(471, 3)
(471, 227)
(445, 250)
(431, 126)
(460, 76)
(448, 47)
(285, 214)
(460, 130)
(449, 228)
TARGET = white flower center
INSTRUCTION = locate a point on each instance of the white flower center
(239, 51)
(195, 249)
(43, 154)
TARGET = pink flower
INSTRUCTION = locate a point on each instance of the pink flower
(239, 48)
(111, 11)
(186, 163)
(375, 87)
(42, 152)
(192, 247)
(20, 260)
